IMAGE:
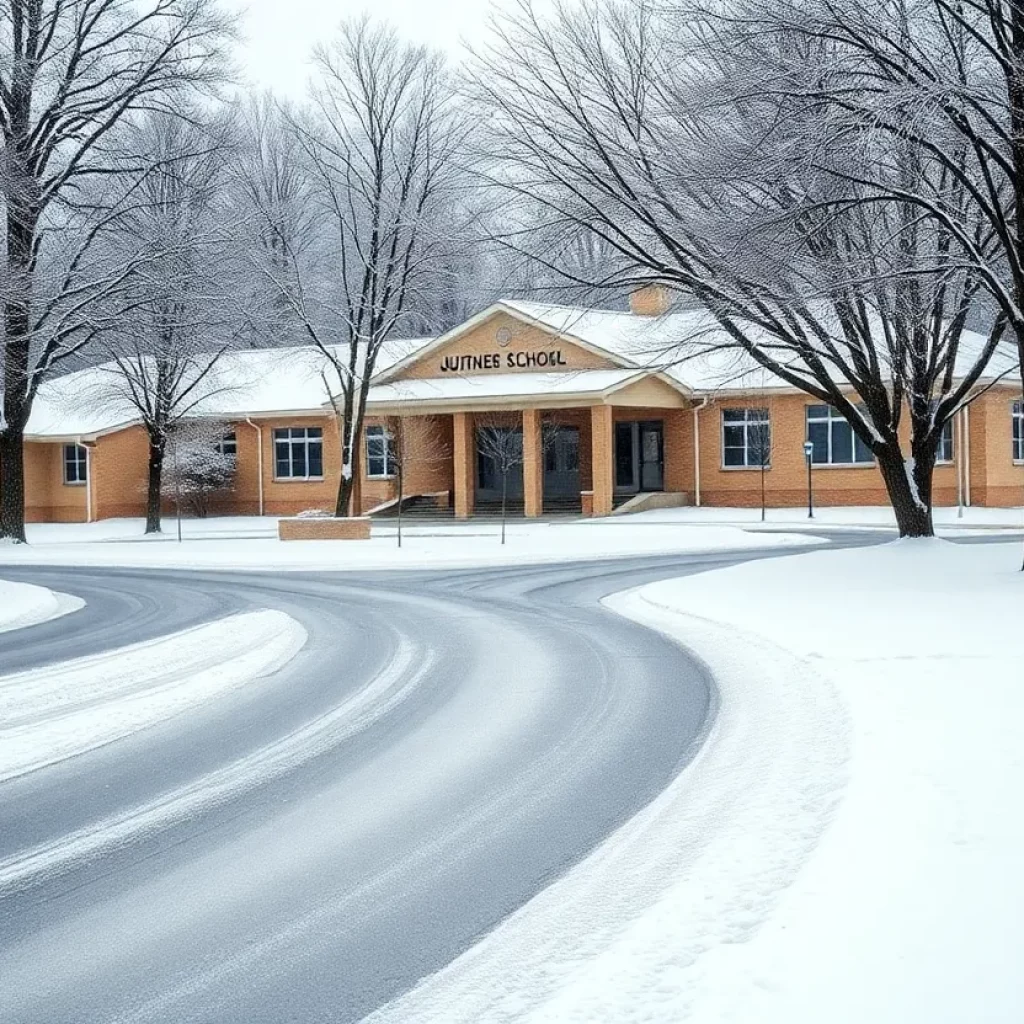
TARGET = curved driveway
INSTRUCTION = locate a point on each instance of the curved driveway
(307, 847)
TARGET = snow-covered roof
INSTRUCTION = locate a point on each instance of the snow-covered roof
(685, 346)
(247, 382)
(690, 346)
(510, 386)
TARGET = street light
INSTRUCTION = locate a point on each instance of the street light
(809, 456)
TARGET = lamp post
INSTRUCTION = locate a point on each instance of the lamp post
(809, 456)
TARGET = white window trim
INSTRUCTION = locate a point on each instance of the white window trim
(296, 479)
(219, 445)
(84, 461)
(831, 418)
(389, 470)
(746, 423)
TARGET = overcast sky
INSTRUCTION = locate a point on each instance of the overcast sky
(278, 35)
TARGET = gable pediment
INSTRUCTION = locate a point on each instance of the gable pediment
(502, 343)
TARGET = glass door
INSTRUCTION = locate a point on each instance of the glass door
(652, 456)
(562, 463)
(627, 458)
(499, 452)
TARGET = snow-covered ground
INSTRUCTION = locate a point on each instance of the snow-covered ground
(22, 604)
(56, 712)
(846, 846)
(947, 520)
(251, 543)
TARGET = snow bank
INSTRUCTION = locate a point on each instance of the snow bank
(56, 712)
(22, 604)
(845, 847)
(404, 672)
(619, 937)
(251, 543)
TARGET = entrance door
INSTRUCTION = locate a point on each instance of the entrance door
(639, 456)
(652, 456)
(627, 459)
(562, 463)
(499, 450)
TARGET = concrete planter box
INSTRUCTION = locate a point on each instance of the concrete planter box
(324, 528)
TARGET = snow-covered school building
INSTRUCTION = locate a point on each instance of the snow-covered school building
(610, 419)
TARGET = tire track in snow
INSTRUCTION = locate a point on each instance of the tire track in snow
(407, 668)
(58, 712)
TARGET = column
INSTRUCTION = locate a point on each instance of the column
(602, 445)
(463, 455)
(533, 463)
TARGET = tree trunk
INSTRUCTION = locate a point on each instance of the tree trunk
(12, 485)
(911, 502)
(401, 498)
(16, 345)
(155, 487)
(504, 494)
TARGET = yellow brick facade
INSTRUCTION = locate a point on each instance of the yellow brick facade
(440, 456)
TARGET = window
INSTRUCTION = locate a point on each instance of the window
(298, 453)
(1018, 431)
(833, 439)
(945, 450)
(76, 464)
(380, 452)
(746, 437)
(227, 445)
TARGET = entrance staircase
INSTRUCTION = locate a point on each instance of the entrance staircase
(421, 508)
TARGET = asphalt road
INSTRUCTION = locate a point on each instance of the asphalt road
(267, 858)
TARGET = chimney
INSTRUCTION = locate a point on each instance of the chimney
(650, 300)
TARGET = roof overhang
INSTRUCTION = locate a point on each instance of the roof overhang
(419, 399)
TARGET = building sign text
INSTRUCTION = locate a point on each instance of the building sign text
(506, 360)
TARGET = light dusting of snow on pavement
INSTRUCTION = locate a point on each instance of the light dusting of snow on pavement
(23, 604)
(619, 937)
(845, 848)
(56, 712)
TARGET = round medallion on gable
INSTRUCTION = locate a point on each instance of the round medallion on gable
(503, 336)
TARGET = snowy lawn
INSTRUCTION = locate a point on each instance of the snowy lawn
(251, 543)
(56, 712)
(847, 845)
(22, 604)
(947, 520)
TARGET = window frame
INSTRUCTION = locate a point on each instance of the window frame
(1017, 431)
(228, 445)
(764, 416)
(80, 460)
(940, 459)
(306, 442)
(833, 416)
(379, 433)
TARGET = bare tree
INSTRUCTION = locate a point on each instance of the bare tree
(652, 127)
(179, 312)
(945, 77)
(377, 150)
(503, 446)
(72, 73)
(413, 443)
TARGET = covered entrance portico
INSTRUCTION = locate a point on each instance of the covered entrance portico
(583, 434)
(584, 454)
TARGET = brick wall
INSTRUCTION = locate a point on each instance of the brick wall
(786, 478)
